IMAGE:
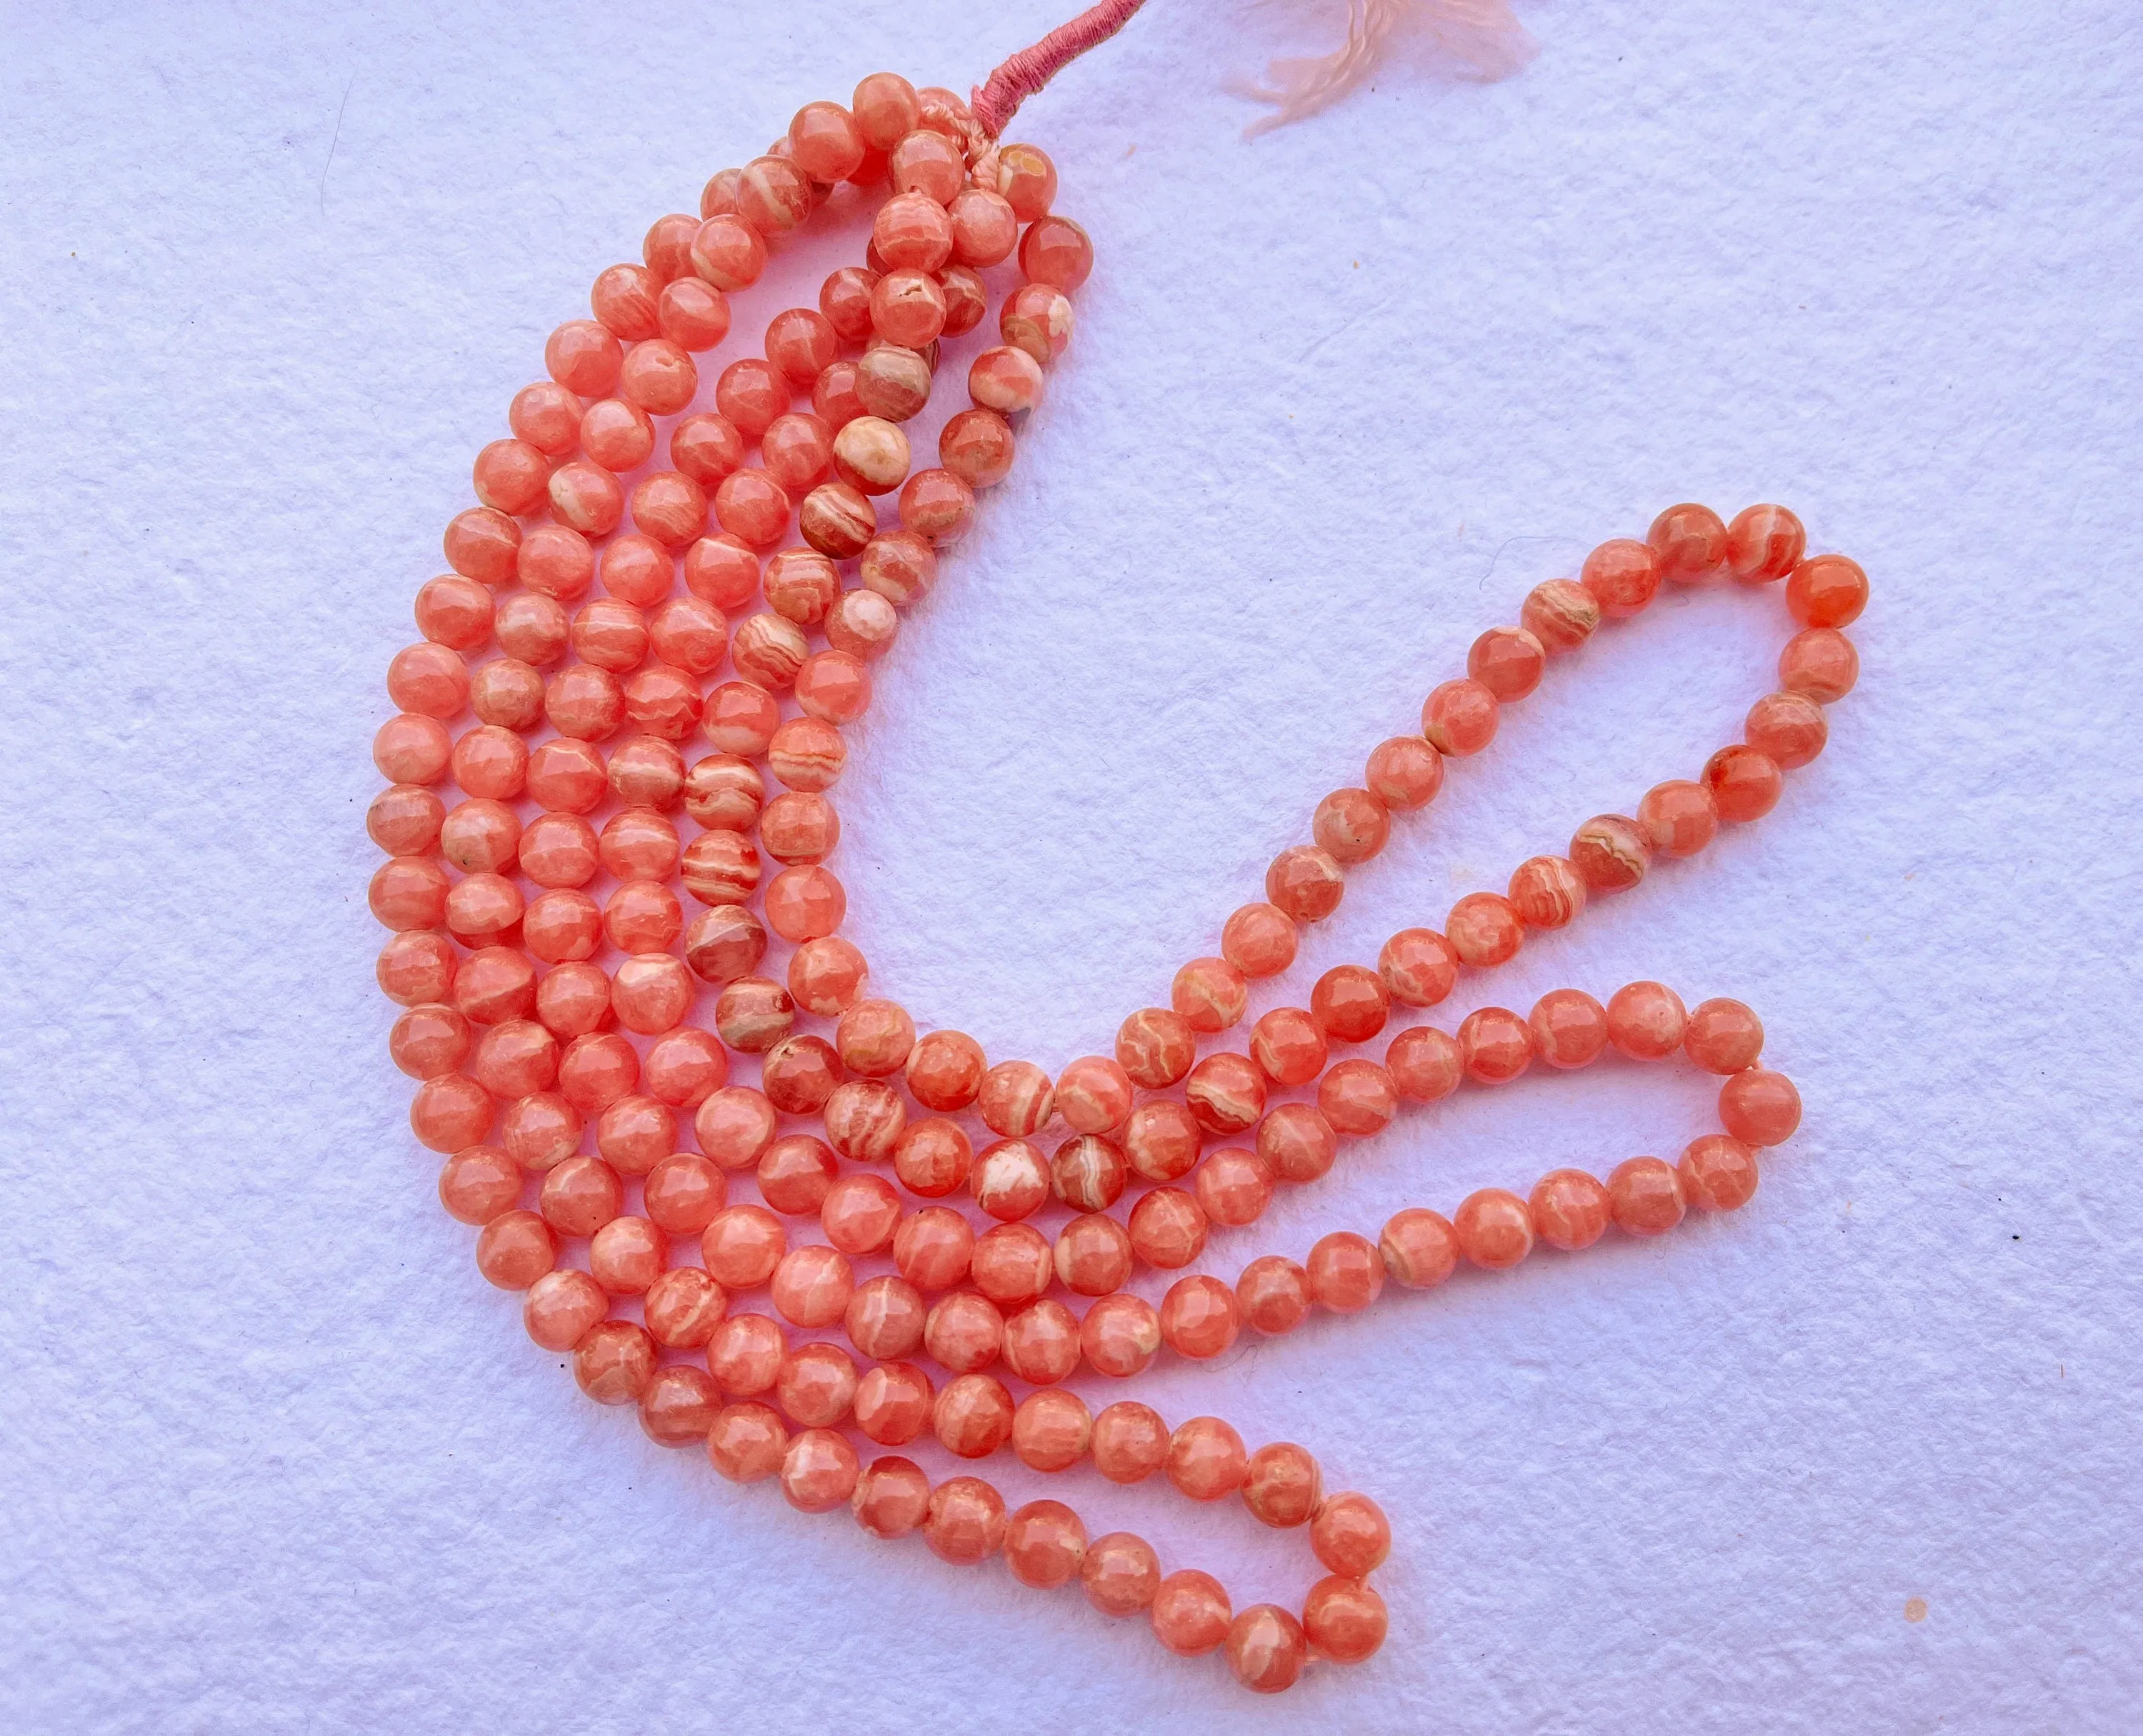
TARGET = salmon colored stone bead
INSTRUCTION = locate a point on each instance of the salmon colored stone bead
(658, 376)
(1644, 1196)
(1045, 1544)
(1209, 995)
(1200, 1318)
(1351, 1004)
(647, 773)
(874, 1038)
(1027, 179)
(727, 252)
(1009, 1180)
(1304, 883)
(742, 1245)
(863, 624)
(1819, 665)
(844, 300)
(1225, 1094)
(1042, 1342)
(811, 1286)
(1405, 772)
(795, 1173)
(1744, 784)
(1611, 853)
(1508, 661)
(1678, 817)
(479, 1182)
(837, 519)
(1167, 1228)
(818, 1471)
(1088, 1173)
(1717, 1173)
(1418, 966)
(634, 1134)
(1190, 1613)
(1120, 1574)
(753, 1014)
(1646, 1020)
(615, 1362)
(746, 1354)
(1037, 318)
(1234, 1187)
(1561, 614)
(724, 943)
(1484, 930)
(1494, 1228)
(865, 1119)
(1281, 1485)
(937, 506)
(945, 1071)
(886, 109)
(1266, 1648)
(617, 435)
(671, 508)
(412, 749)
(1094, 1094)
(1569, 1028)
(626, 1255)
(1344, 1620)
(1051, 1429)
(967, 1521)
(1419, 1247)
(683, 1068)
(1161, 1140)
(797, 451)
(454, 611)
(773, 194)
(692, 315)
(409, 891)
(1288, 1046)
(481, 543)
(494, 984)
(972, 1417)
(801, 343)
(1459, 718)
(893, 1403)
(1119, 1336)
(747, 1443)
(1259, 940)
(547, 417)
(1723, 1037)
(557, 563)
(933, 1158)
(1130, 1442)
(683, 1307)
(1345, 1272)
(1358, 1098)
(1827, 592)
(1622, 576)
(451, 1113)
(1351, 825)
(805, 903)
(416, 967)
(404, 820)
(1206, 1459)
(834, 687)
(1011, 1264)
(595, 1072)
(885, 1317)
(1789, 727)
(1350, 1535)
(564, 777)
(1093, 1254)
(585, 498)
(799, 828)
(1569, 1209)
(1156, 1047)
(428, 678)
(642, 916)
(817, 1385)
(1758, 1107)
(580, 1196)
(1425, 1064)
(892, 1497)
(1055, 250)
(583, 357)
(1689, 542)
(651, 993)
(892, 381)
(1274, 1295)
(562, 1307)
(908, 307)
(1764, 544)
(872, 454)
(1547, 893)
(1297, 1143)
(515, 1249)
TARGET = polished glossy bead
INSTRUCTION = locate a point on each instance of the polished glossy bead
(1298, 1143)
(1494, 1228)
(1011, 1264)
(1120, 1335)
(1190, 1613)
(1050, 1430)
(1042, 1342)
(1688, 543)
(734, 1125)
(1206, 1459)
(1495, 1045)
(1358, 1098)
(1351, 825)
(1420, 1248)
(1459, 718)
(635, 1133)
(1199, 1318)
(684, 1067)
(884, 1318)
(937, 506)
(933, 1157)
(1484, 930)
(818, 1471)
(1547, 893)
(1763, 544)
(1744, 784)
(893, 1403)
(795, 1173)
(1820, 664)
(742, 1245)
(747, 1443)
(1093, 1094)
(1644, 1196)
(1561, 614)
(1418, 966)
(562, 1307)
(753, 1014)
(1129, 1442)
(1405, 772)
(972, 1417)
(683, 1307)
(967, 1521)
(1288, 1046)
(1167, 1228)
(875, 1038)
(1723, 1037)
(1717, 1173)
(1351, 1004)
(1569, 1210)
(481, 543)
(1225, 1094)
(479, 1182)
(1569, 1028)
(430, 1040)
(1274, 1295)
(1120, 1574)
(811, 1286)
(933, 1248)
(416, 968)
(1234, 1187)
(1425, 1064)
(1760, 1107)
(1345, 1271)
(1304, 883)
(1789, 727)
(1009, 1180)
(580, 1195)
(614, 1363)
(1266, 1648)
(892, 1497)
(1611, 853)
(1508, 661)
(746, 1354)
(626, 1255)
(1088, 1172)
(1209, 995)
(1045, 1544)
(1093, 1254)
(1055, 250)
(1646, 1020)
(1259, 940)
(1622, 576)
(1350, 1535)
(908, 307)
(1344, 1619)
(516, 1249)
(945, 1071)
(1827, 592)
(1160, 1140)
(1028, 180)
(493, 984)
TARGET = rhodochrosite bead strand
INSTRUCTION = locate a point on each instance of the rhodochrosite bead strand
(612, 811)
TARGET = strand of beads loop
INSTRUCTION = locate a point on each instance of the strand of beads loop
(616, 936)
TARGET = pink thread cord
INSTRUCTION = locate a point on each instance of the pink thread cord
(1481, 37)
(995, 102)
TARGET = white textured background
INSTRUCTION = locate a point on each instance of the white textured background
(274, 1458)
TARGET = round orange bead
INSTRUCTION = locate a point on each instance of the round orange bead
(1494, 1228)
(1644, 1196)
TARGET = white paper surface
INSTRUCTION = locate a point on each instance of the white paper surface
(276, 1459)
